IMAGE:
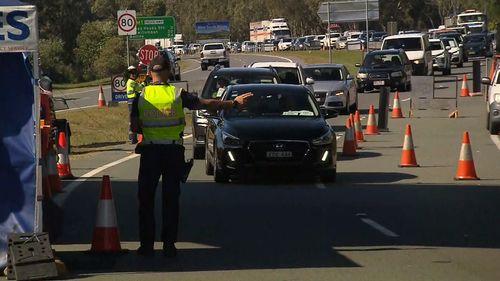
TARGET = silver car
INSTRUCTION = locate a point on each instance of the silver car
(334, 87)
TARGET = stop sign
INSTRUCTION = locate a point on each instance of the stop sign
(147, 53)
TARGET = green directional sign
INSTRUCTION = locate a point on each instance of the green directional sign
(154, 28)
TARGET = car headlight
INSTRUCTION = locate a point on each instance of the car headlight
(397, 74)
(339, 93)
(230, 140)
(324, 139)
(497, 98)
(362, 75)
(416, 61)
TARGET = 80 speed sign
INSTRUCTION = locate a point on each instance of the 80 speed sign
(119, 83)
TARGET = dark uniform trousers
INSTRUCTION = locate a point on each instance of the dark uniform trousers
(166, 161)
(132, 136)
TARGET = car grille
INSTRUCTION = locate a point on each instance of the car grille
(379, 75)
(320, 97)
(259, 149)
(335, 104)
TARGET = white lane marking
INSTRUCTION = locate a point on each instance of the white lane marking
(496, 140)
(376, 226)
(81, 92)
(77, 182)
(77, 108)
(320, 185)
(406, 99)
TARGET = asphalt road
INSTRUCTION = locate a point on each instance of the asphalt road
(377, 222)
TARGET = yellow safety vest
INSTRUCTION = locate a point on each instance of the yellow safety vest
(162, 114)
(133, 88)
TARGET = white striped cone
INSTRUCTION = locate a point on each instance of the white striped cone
(106, 235)
(63, 166)
(101, 102)
(371, 124)
(466, 169)
(349, 148)
(396, 107)
(408, 158)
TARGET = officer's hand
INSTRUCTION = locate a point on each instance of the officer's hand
(243, 99)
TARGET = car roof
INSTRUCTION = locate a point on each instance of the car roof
(238, 70)
(274, 64)
(434, 40)
(324, 65)
(410, 35)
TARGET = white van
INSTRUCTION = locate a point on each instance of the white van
(416, 47)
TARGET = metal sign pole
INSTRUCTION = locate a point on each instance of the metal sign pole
(328, 37)
(128, 53)
(367, 37)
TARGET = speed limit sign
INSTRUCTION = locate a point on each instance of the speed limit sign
(118, 88)
(127, 22)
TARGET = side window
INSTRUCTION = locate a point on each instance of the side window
(498, 77)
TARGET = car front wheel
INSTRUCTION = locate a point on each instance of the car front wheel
(220, 175)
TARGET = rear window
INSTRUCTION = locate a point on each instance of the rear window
(324, 74)
(436, 46)
(213, 47)
(212, 88)
(407, 44)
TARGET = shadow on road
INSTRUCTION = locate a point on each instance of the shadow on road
(290, 225)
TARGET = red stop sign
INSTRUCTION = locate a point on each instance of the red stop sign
(147, 53)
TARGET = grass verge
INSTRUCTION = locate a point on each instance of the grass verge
(103, 81)
(345, 57)
(97, 129)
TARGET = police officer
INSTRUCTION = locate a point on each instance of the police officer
(159, 114)
(133, 90)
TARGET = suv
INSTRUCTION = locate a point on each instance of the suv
(417, 49)
(288, 72)
(477, 45)
(230, 76)
(385, 68)
(440, 57)
(213, 54)
(493, 106)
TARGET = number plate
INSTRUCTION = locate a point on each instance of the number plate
(378, 83)
(472, 52)
(318, 99)
(279, 154)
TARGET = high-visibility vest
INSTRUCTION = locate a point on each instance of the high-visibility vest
(133, 88)
(161, 114)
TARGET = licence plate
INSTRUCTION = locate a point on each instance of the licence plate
(472, 52)
(378, 83)
(279, 154)
(318, 99)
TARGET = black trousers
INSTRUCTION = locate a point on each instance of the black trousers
(166, 161)
(131, 135)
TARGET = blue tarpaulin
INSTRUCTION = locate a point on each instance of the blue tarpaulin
(17, 148)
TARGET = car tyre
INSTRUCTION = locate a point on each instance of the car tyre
(220, 175)
(447, 71)
(354, 106)
(203, 67)
(460, 65)
(329, 177)
(226, 65)
(198, 152)
(177, 77)
(493, 129)
(487, 121)
(209, 167)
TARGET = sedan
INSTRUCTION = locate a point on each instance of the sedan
(440, 56)
(282, 130)
(334, 87)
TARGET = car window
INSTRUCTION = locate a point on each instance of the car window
(279, 104)
(474, 39)
(288, 75)
(324, 74)
(213, 47)
(436, 46)
(407, 44)
(211, 89)
(382, 60)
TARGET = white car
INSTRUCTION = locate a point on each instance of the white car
(330, 39)
(440, 56)
(493, 105)
(455, 51)
(285, 44)
(178, 49)
(416, 47)
(289, 73)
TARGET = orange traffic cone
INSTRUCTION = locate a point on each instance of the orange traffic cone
(396, 107)
(466, 169)
(140, 138)
(408, 158)
(371, 124)
(101, 102)
(106, 235)
(351, 117)
(349, 148)
(358, 129)
(52, 172)
(465, 88)
(63, 166)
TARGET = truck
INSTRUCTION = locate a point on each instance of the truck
(214, 54)
(471, 21)
(273, 29)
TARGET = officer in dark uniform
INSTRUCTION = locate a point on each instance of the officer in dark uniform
(158, 113)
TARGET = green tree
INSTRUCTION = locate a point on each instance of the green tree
(111, 59)
(52, 63)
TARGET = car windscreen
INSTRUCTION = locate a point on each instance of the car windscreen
(287, 39)
(407, 44)
(474, 39)
(382, 60)
(449, 42)
(214, 47)
(436, 46)
(213, 88)
(278, 103)
(324, 74)
(288, 75)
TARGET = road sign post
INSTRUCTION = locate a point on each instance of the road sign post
(127, 25)
(118, 88)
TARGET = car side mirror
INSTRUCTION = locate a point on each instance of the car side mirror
(349, 77)
(309, 81)
(448, 48)
(486, 81)
(357, 64)
(329, 113)
(460, 45)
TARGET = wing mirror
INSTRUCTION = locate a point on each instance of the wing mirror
(349, 77)
(357, 64)
(460, 45)
(486, 81)
(309, 81)
(448, 48)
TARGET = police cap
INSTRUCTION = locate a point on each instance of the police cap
(159, 63)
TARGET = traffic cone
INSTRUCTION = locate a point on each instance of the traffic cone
(466, 169)
(371, 124)
(358, 129)
(349, 148)
(396, 107)
(63, 166)
(465, 88)
(106, 237)
(351, 125)
(52, 172)
(101, 102)
(140, 138)
(408, 158)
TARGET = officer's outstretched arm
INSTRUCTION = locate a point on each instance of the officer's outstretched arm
(215, 104)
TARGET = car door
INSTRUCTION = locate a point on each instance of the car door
(350, 84)
(407, 67)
